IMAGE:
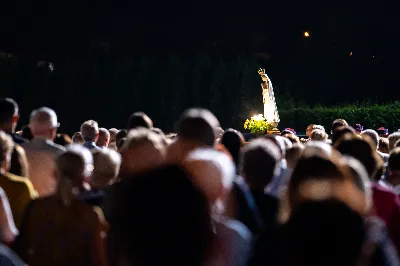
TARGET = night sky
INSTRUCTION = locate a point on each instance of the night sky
(50, 29)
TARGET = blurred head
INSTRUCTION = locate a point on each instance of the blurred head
(142, 150)
(43, 123)
(233, 141)
(77, 138)
(63, 140)
(318, 135)
(292, 138)
(259, 162)
(309, 129)
(8, 115)
(361, 149)
(199, 126)
(185, 237)
(113, 134)
(394, 162)
(314, 177)
(338, 123)
(90, 131)
(139, 119)
(120, 138)
(6, 148)
(393, 138)
(218, 132)
(383, 145)
(293, 155)
(372, 135)
(104, 138)
(339, 132)
(213, 172)
(279, 142)
(319, 148)
(74, 169)
(26, 132)
(327, 228)
(106, 168)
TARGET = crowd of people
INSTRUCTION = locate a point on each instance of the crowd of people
(199, 196)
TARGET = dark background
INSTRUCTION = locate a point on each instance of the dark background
(115, 57)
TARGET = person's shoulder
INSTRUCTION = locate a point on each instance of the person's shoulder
(18, 139)
(57, 148)
(21, 181)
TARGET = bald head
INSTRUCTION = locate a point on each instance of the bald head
(43, 123)
(104, 138)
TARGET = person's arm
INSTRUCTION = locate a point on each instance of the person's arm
(7, 226)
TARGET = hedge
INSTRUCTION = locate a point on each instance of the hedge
(368, 114)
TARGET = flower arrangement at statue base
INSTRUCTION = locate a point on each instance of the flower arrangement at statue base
(258, 125)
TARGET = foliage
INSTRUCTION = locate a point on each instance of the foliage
(109, 87)
(257, 125)
(368, 114)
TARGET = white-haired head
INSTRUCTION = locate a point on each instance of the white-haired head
(213, 172)
(106, 167)
(85, 155)
(318, 148)
(44, 123)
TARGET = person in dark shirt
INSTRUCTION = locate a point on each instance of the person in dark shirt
(259, 161)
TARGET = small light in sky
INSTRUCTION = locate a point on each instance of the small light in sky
(306, 34)
(351, 53)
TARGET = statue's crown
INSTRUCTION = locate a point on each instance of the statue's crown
(261, 71)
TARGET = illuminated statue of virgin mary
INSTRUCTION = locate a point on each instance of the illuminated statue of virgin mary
(270, 109)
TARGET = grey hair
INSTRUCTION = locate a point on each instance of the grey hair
(373, 135)
(44, 116)
(85, 154)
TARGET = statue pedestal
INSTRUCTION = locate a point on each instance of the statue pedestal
(274, 130)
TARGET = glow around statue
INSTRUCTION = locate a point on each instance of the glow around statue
(270, 108)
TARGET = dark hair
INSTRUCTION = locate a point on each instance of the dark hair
(62, 139)
(339, 123)
(394, 160)
(383, 145)
(311, 167)
(139, 119)
(361, 149)
(322, 233)
(198, 125)
(339, 132)
(259, 160)
(121, 135)
(233, 141)
(27, 133)
(8, 108)
(185, 235)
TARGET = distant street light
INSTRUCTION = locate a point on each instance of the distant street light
(306, 34)
(351, 53)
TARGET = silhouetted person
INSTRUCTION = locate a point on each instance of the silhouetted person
(139, 119)
(9, 116)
